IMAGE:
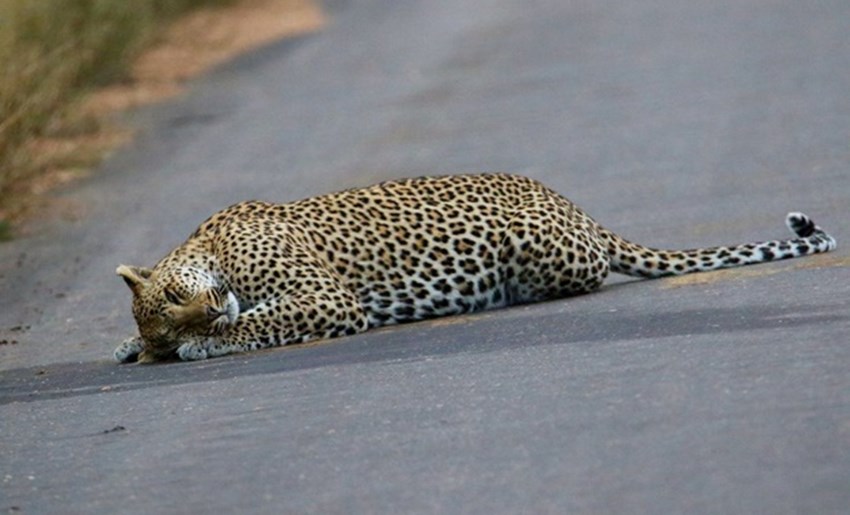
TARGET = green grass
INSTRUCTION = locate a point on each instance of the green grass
(51, 51)
(5, 231)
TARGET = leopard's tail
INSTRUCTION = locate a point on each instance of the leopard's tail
(636, 260)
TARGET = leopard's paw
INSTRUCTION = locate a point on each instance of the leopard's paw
(129, 350)
(192, 351)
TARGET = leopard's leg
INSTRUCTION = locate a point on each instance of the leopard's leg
(550, 251)
(329, 311)
(128, 351)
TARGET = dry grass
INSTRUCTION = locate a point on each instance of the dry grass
(202, 40)
(69, 65)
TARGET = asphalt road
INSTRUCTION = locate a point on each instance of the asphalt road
(674, 123)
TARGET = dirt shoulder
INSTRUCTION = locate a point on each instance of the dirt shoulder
(191, 46)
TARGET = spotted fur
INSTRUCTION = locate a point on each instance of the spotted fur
(258, 274)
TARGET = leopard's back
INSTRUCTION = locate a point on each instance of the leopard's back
(424, 247)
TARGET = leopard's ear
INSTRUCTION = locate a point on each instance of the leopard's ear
(136, 277)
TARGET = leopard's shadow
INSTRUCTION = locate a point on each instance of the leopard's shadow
(516, 327)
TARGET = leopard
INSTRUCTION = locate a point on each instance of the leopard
(259, 274)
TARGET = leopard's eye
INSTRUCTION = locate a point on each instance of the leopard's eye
(172, 297)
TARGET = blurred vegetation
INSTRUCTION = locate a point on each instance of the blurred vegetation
(5, 231)
(51, 51)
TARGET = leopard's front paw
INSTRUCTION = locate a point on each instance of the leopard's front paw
(129, 350)
(192, 351)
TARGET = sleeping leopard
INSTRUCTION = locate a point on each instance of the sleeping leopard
(258, 275)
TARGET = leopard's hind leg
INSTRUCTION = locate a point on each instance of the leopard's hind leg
(551, 250)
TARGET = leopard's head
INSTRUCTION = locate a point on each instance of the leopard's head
(177, 305)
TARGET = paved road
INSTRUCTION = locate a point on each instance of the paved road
(674, 123)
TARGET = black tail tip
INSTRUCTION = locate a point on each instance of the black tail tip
(800, 224)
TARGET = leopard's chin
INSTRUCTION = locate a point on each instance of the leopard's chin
(228, 316)
(231, 308)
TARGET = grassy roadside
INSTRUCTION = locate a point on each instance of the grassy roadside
(53, 50)
(68, 64)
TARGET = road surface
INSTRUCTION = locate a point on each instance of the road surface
(677, 124)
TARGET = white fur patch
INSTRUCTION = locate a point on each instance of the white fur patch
(232, 308)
